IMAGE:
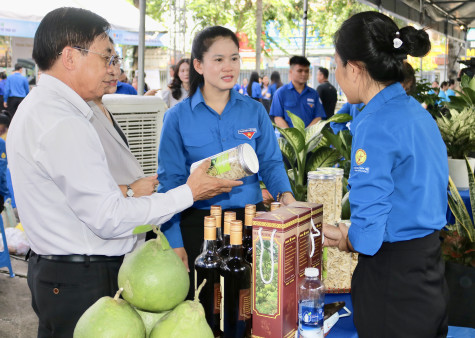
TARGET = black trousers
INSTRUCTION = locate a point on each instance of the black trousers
(192, 232)
(401, 291)
(61, 291)
(13, 102)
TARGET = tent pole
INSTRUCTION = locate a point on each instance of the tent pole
(140, 84)
(304, 42)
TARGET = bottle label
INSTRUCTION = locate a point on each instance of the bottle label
(217, 298)
(244, 304)
(310, 319)
(221, 304)
(220, 164)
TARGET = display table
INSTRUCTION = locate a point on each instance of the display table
(345, 328)
(466, 199)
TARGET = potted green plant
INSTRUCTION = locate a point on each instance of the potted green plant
(457, 128)
(458, 250)
(302, 149)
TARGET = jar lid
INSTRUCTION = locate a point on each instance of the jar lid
(331, 170)
(311, 272)
(318, 175)
(248, 158)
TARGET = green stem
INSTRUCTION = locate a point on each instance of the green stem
(198, 291)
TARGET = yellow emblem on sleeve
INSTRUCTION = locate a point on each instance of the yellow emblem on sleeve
(360, 157)
(4, 155)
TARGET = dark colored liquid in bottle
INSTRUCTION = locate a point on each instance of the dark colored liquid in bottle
(236, 320)
(207, 267)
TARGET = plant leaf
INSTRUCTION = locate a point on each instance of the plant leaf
(460, 212)
(323, 157)
(142, 228)
(286, 149)
(297, 122)
(294, 137)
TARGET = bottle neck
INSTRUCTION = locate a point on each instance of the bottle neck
(209, 246)
(235, 251)
(226, 239)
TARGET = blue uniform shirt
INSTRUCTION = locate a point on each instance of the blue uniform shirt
(3, 170)
(193, 131)
(16, 86)
(306, 105)
(448, 93)
(256, 90)
(2, 86)
(399, 172)
(350, 109)
(125, 88)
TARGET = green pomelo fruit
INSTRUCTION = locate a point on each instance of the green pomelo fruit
(186, 320)
(110, 318)
(150, 319)
(153, 277)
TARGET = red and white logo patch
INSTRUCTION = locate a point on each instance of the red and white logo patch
(249, 133)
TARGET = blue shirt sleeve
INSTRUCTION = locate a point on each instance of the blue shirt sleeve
(171, 170)
(26, 86)
(372, 155)
(277, 106)
(271, 166)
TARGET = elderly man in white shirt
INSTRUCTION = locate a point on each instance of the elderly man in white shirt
(77, 220)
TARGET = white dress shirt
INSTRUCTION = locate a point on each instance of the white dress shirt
(67, 199)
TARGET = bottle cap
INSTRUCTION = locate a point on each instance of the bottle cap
(311, 272)
(215, 210)
(274, 206)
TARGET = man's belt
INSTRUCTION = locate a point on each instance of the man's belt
(79, 258)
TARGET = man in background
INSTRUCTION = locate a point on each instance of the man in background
(297, 97)
(327, 92)
(16, 89)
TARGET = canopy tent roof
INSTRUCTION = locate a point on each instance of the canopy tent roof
(20, 18)
(120, 14)
(450, 17)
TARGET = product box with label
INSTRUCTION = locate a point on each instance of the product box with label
(274, 274)
(315, 247)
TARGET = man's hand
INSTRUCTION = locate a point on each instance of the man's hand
(5, 105)
(182, 254)
(145, 186)
(204, 187)
(337, 237)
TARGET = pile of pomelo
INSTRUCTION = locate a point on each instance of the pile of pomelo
(153, 283)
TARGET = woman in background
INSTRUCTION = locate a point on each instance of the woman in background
(254, 88)
(398, 180)
(266, 91)
(180, 85)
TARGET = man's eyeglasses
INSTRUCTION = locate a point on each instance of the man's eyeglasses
(111, 60)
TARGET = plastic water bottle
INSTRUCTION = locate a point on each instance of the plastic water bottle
(311, 300)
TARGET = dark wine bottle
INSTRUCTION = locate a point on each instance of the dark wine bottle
(223, 252)
(249, 214)
(216, 211)
(235, 274)
(207, 267)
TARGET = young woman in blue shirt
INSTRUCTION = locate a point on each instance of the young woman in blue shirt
(212, 119)
(398, 185)
(254, 87)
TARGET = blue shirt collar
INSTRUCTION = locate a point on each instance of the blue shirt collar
(197, 98)
(291, 86)
(377, 101)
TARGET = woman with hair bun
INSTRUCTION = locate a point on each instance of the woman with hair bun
(398, 181)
